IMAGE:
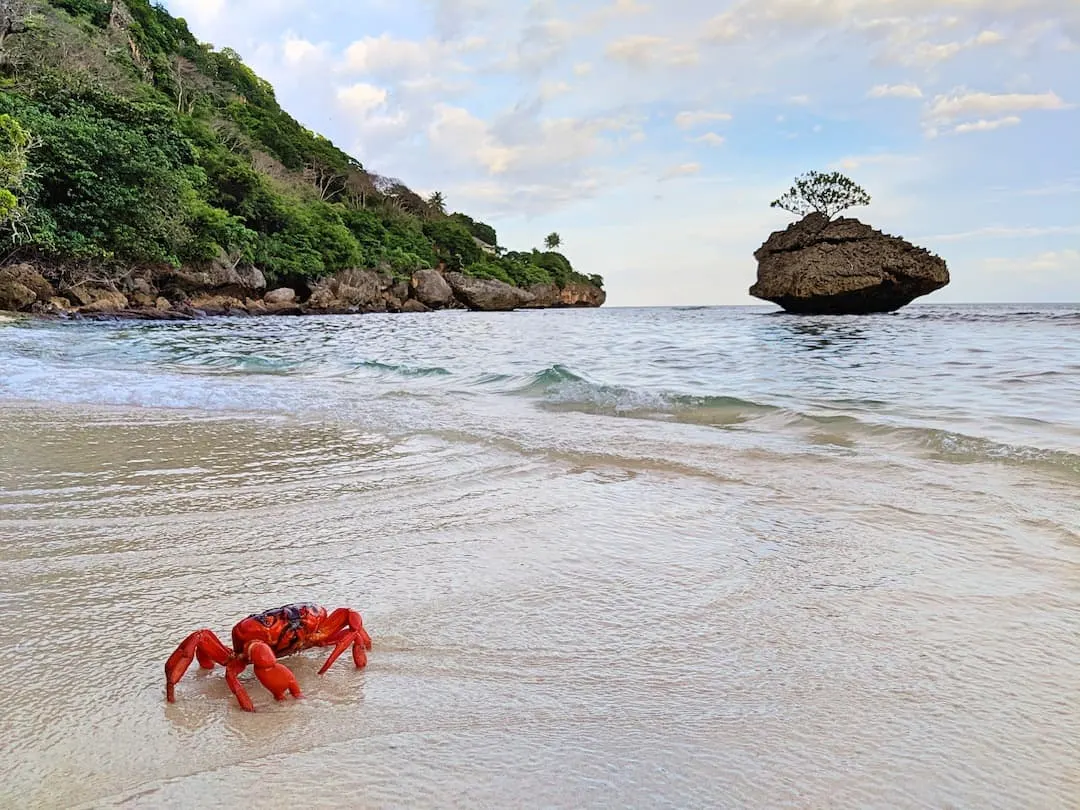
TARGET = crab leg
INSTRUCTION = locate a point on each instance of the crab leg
(344, 627)
(234, 668)
(202, 643)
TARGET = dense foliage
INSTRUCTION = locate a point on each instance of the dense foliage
(125, 141)
(827, 194)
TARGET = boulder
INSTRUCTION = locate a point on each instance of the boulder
(218, 276)
(218, 304)
(98, 300)
(574, 294)
(843, 267)
(488, 295)
(282, 295)
(349, 291)
(412, 305)
(431, 289)
(18, 279)
(15, 296)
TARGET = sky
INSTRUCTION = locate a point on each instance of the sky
(653, 134)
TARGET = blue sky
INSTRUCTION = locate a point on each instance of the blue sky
(653, 135)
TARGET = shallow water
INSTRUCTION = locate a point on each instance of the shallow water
(705, 557)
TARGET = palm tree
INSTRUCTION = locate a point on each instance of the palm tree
(552, 241)
(437, 202)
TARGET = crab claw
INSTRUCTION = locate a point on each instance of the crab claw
(277, 678)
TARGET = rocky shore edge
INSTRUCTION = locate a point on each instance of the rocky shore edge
(186, 293)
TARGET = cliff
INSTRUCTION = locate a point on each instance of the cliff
(823, 266)
(137, 160)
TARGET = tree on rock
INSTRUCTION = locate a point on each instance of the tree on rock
(827, 194)
(552, 241)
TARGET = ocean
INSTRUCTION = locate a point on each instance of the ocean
(664, 557)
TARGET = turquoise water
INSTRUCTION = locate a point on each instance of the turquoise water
(696, 557)
(996, 380)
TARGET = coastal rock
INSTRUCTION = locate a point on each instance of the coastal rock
(349, 291)
(218, 304)
(219, 276)
(822, 266)
(15, 296)
(431, 289)
(574, 294)
(19, 280)
(97, 299)
(412, 305)
(400, 290)
(577, 294)
(282, 295)
(487, 294)
(161, 303)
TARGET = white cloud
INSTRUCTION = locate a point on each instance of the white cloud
(894, 91)
(642, 51)
(1051, 261)
(1010, 232)
(962, 105)
(963, 112)
(682, 170)
(300, 52)
(852, 162)
(200, 12)
(693, 118)
(386, 56)
(361, 98)
(983, 125)
(710, 139)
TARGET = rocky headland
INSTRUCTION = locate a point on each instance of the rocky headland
(218, 289)
(843, 267)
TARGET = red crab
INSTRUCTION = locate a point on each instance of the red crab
(261, 637)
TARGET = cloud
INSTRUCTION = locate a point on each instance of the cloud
(691, 119)
(386, 56)
(681, 170)
(299, 53)
(361, 98)
(982, 125)
(643, 51)
(1009, 232)
(710, 139)
(200, 12)
(962, 105)
(1051, 261)
(963, 112)
(894, 91)
(852, 162)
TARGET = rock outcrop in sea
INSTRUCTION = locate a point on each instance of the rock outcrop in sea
(843, 267)
(221, 290)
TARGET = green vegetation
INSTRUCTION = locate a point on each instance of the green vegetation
(552, 241)
(827, 194)
(125, 142)
(14, 144)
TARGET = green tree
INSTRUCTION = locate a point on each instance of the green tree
(827, 194)
(552, 241)
(437, 203)
(14, 145)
